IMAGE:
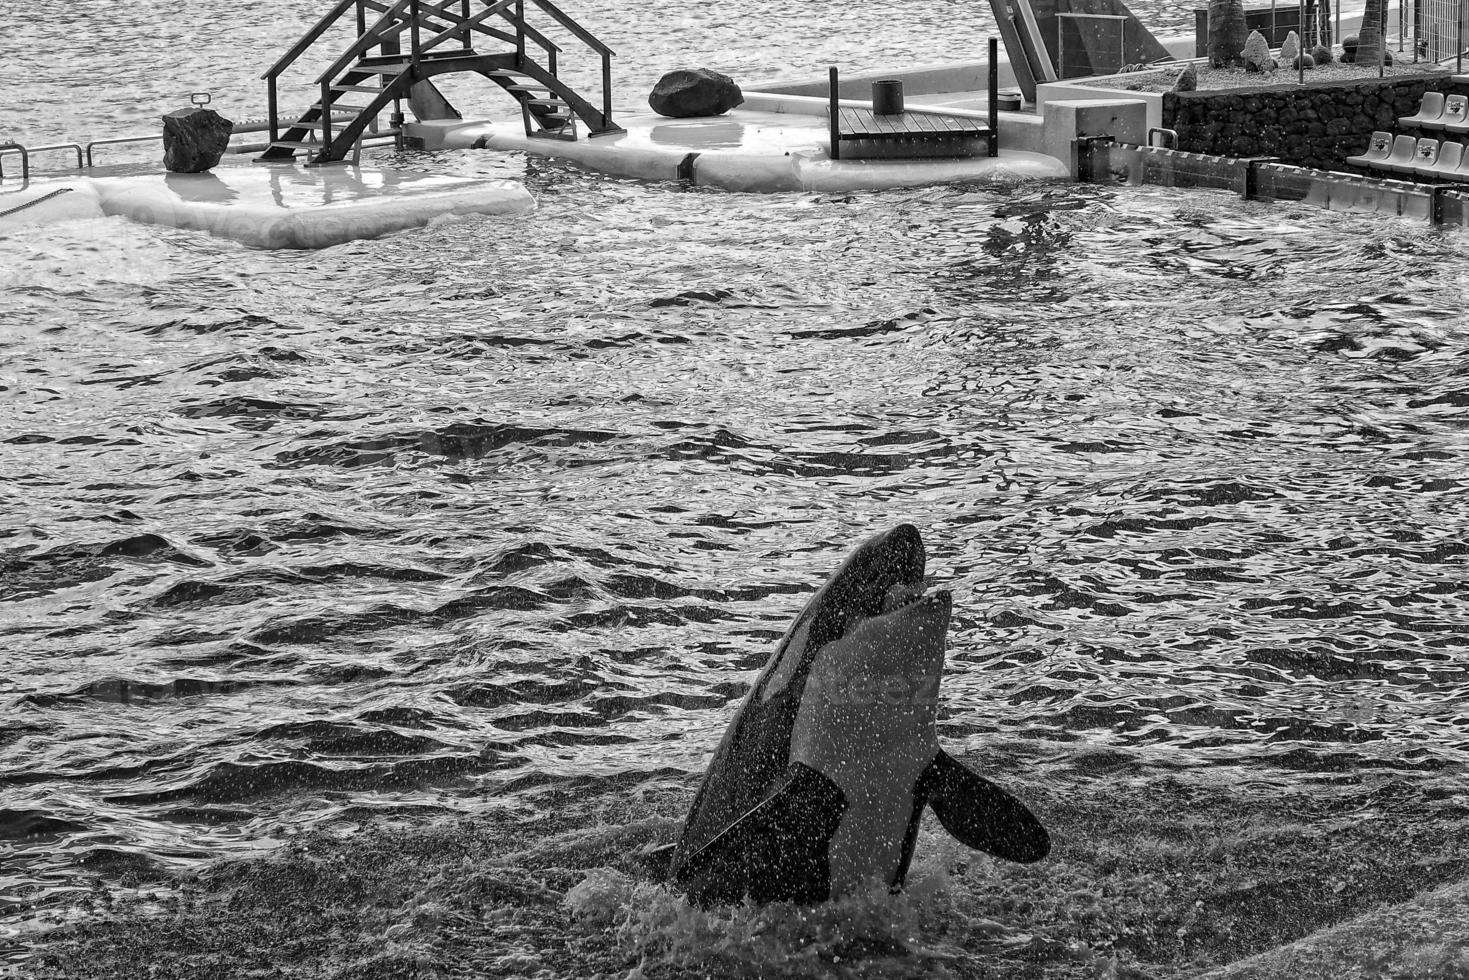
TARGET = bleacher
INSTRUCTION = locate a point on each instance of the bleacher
(1423, 158)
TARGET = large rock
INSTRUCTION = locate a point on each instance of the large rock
(1256, 53)
(194, 140)
(1291, 49)
(687, 92)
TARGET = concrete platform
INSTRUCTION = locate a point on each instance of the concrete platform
(267, 206)
(767, 145)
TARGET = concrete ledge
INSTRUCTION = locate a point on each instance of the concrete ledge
(277, 206)
(782, 147)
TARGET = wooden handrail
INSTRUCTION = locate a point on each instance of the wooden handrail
(309, 38)
(374, 35)
(466, 25)
(585, 36)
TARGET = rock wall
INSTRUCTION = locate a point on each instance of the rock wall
(1311, 126)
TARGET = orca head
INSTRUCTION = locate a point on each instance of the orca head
(857, 591)
(866, 722)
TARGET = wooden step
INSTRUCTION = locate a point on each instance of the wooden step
(546, 103)
(528, 87)
(374, 89)
(549, 135)
(295, 145)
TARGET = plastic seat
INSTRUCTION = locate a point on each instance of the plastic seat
(1430, 111)
(1378, 149)
(1425, 153)
(1461, 173)
(1455, 116)
(1450, 155)
(1404, 150)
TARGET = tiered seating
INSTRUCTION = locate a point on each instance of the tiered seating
(1450, 155)
(1378, 149)
(1438, 111)
(1416, 159)
(1430, 109)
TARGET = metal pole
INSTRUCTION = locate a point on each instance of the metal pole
(1459, 37)
(1300, 59)
(833, 123)
(270, 107)
(994, 106)
(464, 12)
(606, 90)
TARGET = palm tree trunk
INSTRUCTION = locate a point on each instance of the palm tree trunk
(1371, 41)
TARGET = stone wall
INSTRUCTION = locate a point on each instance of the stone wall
(1311, 125)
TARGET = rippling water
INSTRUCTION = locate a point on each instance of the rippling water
(428, 521)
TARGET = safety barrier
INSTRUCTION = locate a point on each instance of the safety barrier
(26, 152)
(1101, 160)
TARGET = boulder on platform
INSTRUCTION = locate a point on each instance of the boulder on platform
(687, 92)
(194, 139)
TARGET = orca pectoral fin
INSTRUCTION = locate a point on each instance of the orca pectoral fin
(777, 851)
(980, 814)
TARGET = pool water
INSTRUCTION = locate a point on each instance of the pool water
(411, 525)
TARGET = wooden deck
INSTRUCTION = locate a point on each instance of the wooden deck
(863, 124)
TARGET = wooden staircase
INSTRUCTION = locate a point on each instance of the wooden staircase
(379, 70)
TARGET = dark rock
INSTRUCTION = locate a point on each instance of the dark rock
(1303, 61)
(687, 92)
(194, 140)
(1322, 54)
(1187, 80)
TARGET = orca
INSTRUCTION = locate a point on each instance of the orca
(817, 789)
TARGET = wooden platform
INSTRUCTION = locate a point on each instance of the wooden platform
(864, 124)
(913, 134)
(857, 132)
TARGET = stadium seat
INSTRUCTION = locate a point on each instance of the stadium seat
(1455, 116)
(1450, 155)
(1378, 148)
(1430, 110)
(1401, 159)
(1425, 153)
(1462, 173)
(1455, 112)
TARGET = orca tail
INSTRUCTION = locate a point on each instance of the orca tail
(980, 814)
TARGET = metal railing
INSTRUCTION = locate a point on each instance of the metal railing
(26, 152)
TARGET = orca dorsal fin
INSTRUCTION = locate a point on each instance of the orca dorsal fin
(980, 814)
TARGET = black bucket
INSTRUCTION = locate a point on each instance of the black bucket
(1008, 100)
(887, 97)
